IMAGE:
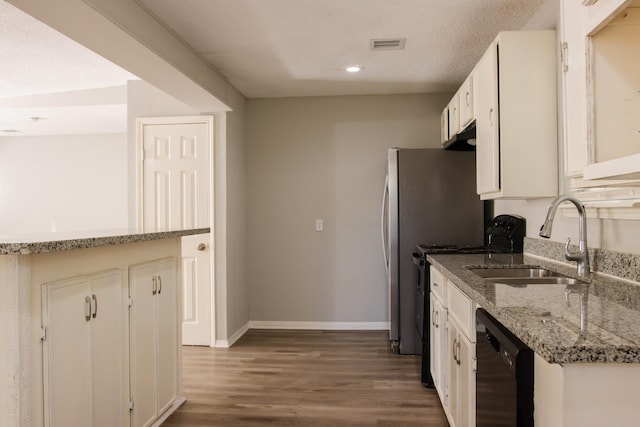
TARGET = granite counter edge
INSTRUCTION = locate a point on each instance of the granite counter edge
(30, 248)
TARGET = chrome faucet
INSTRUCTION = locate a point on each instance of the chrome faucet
(582, 257)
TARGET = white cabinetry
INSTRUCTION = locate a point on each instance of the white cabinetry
(154, 339)
(516, 123)
(444, 125)
(454, 115)
(465, 95)
(82, 348)
(438, 334)
(453, 361)
(462, 360)
(601, 87)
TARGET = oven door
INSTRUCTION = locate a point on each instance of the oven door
(420, 286)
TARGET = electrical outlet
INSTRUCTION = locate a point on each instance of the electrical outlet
(319, 225)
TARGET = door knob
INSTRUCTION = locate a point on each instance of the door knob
(202, 247)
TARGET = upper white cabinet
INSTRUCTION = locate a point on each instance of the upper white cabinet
(516, 116)
(465, 99)
(602, 91)
(444, 125)
(454, 115)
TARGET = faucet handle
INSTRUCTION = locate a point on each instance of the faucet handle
(567, 254)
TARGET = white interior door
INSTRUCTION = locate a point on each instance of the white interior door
(176, 188)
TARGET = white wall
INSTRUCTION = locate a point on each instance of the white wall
(325, 158)
(63, 183)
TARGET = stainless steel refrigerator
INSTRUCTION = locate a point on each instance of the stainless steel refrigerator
(429, 198)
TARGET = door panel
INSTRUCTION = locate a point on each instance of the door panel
(176, 194)
(196, 298)
(175, 176)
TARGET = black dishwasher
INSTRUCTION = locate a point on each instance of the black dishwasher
(504, 379)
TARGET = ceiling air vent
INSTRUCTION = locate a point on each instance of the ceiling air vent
(387, 44)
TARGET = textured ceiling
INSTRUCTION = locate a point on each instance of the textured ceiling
(38, 60)
(266, 48)
(276, 48)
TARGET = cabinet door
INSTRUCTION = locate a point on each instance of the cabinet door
(454, 116)
(438, 346)
(142, 290)
(453, 373)
(154, 339)
(106, 350)
(67, 359)
(83, 351)
(467, 390)
(467, 114)
(487, 125)
(575, 86)
(444, 125)
(167, 331)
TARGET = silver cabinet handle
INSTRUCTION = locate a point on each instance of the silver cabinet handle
(154, 289)
(87, 308)
(202, 247)
(159, 284)
(95, 305)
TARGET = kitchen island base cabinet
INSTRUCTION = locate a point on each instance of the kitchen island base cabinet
(82, 370)
(154, 339)
(65, 337)
(586, 394)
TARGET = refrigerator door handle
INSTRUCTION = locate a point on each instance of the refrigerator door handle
(384, 225)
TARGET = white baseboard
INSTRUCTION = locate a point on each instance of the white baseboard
(235, 337)
(176, 404)
(316, 326)
(330, 326)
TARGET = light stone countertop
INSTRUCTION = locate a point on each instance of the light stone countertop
(543, 319)
(67, 241)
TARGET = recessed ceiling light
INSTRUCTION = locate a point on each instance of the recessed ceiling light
(354, 68)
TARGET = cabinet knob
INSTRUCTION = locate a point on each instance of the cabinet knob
(202, 247)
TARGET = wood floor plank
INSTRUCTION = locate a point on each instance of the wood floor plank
(305, 378)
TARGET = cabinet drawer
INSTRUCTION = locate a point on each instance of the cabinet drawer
(438, 285)
(461, 308)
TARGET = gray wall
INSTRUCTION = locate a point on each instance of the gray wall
(324, 158)
(230, 232)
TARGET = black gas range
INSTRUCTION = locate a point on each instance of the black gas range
(503, 234)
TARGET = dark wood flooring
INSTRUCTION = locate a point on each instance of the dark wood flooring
(305, 378)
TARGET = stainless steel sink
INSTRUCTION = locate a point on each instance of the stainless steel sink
(513, 272)
(522, 276)
(523, 281)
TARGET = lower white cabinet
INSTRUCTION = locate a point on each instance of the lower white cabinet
(453, 350)
(438, 344)
(462, 377)
(82, 344)
(154, 342)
